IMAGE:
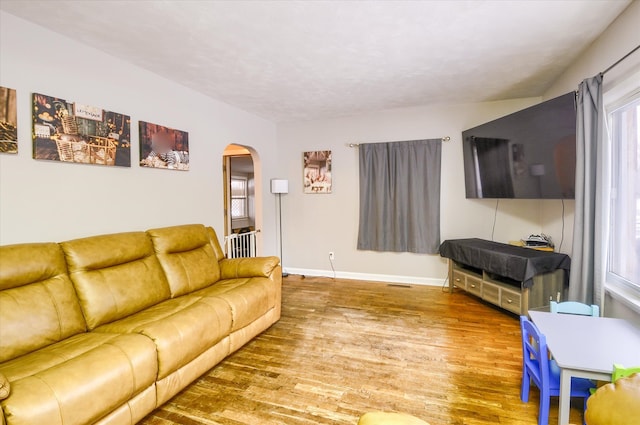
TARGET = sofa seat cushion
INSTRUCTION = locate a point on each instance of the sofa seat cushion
(249, 298)
(62, 383)
(182, 329)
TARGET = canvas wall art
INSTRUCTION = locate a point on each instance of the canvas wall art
(8, 121)
(73, 132)
(317, 172)
(163, 147)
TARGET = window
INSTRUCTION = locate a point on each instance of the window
(239, 198)
(624, 231)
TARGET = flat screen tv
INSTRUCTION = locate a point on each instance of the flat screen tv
(530, 154)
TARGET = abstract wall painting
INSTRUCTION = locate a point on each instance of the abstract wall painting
(8, 121)
(163, 147)
(73, 132)
(317, 172)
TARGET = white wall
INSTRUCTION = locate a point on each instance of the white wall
(42, 200)
(317, 224)
(619, 39)
(51, 201)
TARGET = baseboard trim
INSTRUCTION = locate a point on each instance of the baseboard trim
(411, 280)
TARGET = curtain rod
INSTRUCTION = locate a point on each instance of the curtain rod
(355, 145)
(620, 60)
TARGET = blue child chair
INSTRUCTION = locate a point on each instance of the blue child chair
(572, 307)
(536, 367)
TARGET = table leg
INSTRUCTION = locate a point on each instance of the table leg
(565, 397)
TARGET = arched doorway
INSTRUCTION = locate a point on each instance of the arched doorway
(242, 180)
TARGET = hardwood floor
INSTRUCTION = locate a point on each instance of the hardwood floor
(344, 347)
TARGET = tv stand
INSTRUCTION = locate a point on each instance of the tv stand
(514, 278)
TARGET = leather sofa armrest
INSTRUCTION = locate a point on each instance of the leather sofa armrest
(231, 268)
(5, 387)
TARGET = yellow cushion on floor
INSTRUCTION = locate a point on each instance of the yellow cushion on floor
(382, 418)
(617, 403)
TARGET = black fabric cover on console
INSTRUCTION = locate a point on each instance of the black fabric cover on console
(514, 262)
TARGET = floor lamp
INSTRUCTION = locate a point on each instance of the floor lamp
(278, 187)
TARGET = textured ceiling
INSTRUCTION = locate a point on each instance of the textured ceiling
(299, 60)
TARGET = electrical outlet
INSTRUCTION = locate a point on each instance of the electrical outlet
(332, 255)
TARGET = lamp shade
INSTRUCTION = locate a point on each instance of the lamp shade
(279, 186)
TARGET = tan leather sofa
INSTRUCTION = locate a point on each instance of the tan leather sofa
(107, 328)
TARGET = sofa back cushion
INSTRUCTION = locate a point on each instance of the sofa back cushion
(215, 244)
(187, 257)
(115, 275)
(38, 305)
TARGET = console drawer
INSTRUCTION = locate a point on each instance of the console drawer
(458, 279)
(511, 301)
(490, 293)
(474, 285)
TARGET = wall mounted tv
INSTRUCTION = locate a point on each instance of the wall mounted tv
(530, 154)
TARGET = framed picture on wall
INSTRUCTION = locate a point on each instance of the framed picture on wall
(8, 121)
(73, 132)
(317, 172)
(163, 147)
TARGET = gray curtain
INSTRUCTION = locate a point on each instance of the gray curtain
(400, 196)
(588, 260)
